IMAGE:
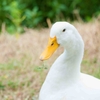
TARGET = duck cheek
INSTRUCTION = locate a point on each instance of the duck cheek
(59, 41)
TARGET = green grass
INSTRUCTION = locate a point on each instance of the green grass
(15, 75)
(23, 78)
(18, 78)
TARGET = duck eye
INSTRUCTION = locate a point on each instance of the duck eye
(64, 30)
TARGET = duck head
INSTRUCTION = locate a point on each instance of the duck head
(64, 34)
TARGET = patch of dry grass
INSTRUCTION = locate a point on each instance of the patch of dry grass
(21, 71)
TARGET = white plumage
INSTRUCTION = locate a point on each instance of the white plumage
(64, 80)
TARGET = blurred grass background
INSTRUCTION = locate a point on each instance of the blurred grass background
(21, 71)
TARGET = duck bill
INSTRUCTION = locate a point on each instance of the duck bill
(50, 49)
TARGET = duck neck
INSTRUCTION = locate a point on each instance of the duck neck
(64, 73)
(67, 66)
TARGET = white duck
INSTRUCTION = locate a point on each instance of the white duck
(64, 80)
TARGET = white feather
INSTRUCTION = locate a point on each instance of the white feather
(64, 80)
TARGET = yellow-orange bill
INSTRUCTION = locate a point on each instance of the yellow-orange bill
(51, 47)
